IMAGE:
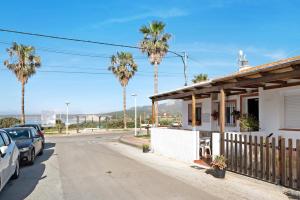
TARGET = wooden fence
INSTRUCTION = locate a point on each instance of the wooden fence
(276, 160)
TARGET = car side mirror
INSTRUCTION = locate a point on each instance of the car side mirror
(3, 151)
(42, 128)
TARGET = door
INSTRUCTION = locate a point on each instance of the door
(37, 141)
(9, 152)
(4, 163)
(253, 108)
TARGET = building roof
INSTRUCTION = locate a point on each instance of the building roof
(280, 73)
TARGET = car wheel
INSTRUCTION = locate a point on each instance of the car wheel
(32, 157)
(17, 170)
(41, 152)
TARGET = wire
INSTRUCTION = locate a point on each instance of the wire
(91, 73)
(77, 40)
(78, 54)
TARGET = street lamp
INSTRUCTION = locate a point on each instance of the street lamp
(134, 95)
(67, 119)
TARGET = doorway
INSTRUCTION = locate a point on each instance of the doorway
(253, 108)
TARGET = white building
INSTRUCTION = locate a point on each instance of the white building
(270, 93)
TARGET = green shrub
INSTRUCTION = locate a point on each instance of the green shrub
(249, 123)
(8, 122)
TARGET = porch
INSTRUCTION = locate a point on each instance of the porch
(272, 91)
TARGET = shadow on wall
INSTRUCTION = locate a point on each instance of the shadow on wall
(30, 176)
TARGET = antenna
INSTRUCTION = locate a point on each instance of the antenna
(242, 60)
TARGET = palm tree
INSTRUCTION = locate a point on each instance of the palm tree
(199, 78)
(123, 67)
(155, 45)
(23, 63)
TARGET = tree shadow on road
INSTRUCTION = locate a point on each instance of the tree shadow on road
(30, 176)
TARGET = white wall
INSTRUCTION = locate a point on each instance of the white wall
(206, 114)
(272, 111)
(178, 144)
(208, 124)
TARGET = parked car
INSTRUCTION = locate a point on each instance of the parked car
(28, 141)
(38, 128)
(9, 159)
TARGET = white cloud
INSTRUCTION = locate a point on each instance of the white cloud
(163, 14)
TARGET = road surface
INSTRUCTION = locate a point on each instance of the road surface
(85, 168)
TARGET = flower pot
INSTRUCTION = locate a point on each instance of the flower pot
(145, 149)
(218, 173)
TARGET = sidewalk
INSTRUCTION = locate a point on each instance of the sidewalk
(234, 186)
(134, 141)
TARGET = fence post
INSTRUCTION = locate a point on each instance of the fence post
(282, 148)
(273, 160)
(261, 157)
(279, 158)
(227, 146)
(290, 142)
(231, 151)
(245, 154)
(235, 153)
(241, 154)
(298, 163)
(255, 157)
(267, 159)
(250, 155)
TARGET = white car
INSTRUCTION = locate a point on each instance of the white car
(9, 159)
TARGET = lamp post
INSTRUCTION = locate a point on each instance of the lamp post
(135, 131)
(67, 118)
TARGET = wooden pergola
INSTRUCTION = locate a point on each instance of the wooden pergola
(283, 73)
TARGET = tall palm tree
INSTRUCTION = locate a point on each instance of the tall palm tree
(199, 78)
(23, 63)
(155, 45)
(124, 68)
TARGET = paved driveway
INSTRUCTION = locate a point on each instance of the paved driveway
(84, 168)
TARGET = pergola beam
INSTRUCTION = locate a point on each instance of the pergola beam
(247, 83)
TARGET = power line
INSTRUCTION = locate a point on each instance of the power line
(91, 73)
(77, 40)
(78, 54)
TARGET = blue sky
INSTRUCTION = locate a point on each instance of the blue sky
(211, 32)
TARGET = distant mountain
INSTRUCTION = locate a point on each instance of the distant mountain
(171, 108)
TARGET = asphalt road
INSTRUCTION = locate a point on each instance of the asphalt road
(84, 168)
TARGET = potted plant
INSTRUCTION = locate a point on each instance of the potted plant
(219, 166)
(215, 115)
(236, 114)
(249, 123)
(146, 148)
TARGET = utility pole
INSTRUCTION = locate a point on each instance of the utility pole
(185, 65)
(67, 120)
(135, 131)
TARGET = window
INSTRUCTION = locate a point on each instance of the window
(1, 141)
(6, 138)
(33, 132)
(198, 114)
(230, 106)
(292, 112)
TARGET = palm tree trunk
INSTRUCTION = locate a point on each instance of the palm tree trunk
(156, 92)
(23, 102)
(124, 107)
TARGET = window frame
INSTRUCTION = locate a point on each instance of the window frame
(2, 139)
(233, 123)
(6, 139)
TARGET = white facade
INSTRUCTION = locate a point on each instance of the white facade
(277, 110)
(272, 112)
(179, 144)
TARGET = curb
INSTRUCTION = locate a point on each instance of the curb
(121, 140)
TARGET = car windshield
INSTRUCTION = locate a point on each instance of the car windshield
(19, 134)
